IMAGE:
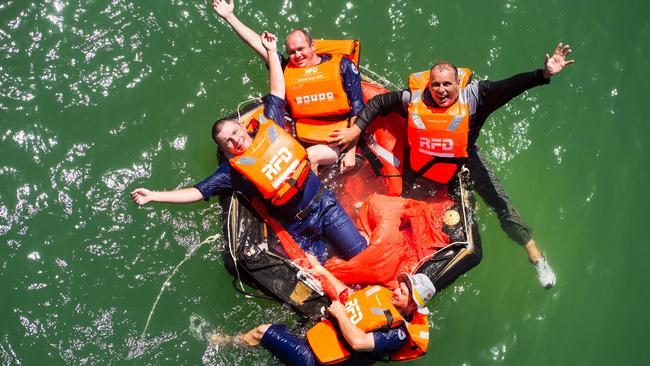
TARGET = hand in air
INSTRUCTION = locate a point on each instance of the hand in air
(141, 196)
(554, 64)
(223, 7)
(269, 41)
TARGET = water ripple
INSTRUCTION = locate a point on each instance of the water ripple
(7, 353)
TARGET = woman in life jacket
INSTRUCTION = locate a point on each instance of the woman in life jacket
(372, 322)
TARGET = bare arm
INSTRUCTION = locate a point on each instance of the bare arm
(225, 10)
(357, 339)
(276, 76)
(319, 270)
(142, 196)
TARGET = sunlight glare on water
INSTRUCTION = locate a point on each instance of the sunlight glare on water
(100, 98)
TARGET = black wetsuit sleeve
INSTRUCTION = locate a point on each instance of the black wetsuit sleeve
(381, 104)
(492, 95)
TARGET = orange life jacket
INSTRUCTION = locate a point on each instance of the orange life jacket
(418, 339)
(385, 141)
(437, 132)
(369, 309)
(275, 162)
(317, 92)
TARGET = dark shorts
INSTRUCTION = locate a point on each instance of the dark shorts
(328, 222)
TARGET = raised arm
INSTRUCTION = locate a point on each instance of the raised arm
(553, 65)
(225, 10)
(276, 76)
(142, 196)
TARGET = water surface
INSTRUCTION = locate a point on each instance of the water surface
(98, 98)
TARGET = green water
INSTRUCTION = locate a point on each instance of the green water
(98, 98)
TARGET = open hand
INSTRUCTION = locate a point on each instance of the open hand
(554, 64)
(269, 41)
(223, 7)
(141, 196)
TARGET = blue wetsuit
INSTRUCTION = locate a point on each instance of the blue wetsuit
(321, 219)
(292, 350)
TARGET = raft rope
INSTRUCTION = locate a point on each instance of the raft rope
(232, 243)
(381, 78)
(166, 283)
(258, 99)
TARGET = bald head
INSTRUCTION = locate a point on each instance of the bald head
(444, 84)
(444, 65)
(299, 32)
(301, 49)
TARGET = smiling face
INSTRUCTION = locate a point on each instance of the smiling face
(443, 85)
(402, 299)
(301, 49)
(233, 138)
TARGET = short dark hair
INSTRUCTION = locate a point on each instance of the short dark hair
(445, 65)
(218, 126)
(300, 30)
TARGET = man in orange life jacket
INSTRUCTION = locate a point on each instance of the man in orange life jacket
(439, 97)
(374, 323)
(344, 87)
(272, 167)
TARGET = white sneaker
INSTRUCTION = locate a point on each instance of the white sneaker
(545, 274)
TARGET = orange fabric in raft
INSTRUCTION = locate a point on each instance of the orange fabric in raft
(402, 232)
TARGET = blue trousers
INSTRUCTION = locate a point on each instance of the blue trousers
(288, 348)
(329, 222)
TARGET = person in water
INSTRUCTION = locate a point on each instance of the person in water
(444, 116)
(333, 99)
(271, 166)
(373, 323)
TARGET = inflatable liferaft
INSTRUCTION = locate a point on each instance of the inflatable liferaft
(435, 234)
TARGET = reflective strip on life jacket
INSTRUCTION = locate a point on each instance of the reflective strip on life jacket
(386, 155)
(275, 162)
(418, 342)
(437, 132)
(385, 140)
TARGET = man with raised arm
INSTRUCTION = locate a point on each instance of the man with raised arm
(323, 91)
(272, 166)
(444, 116)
